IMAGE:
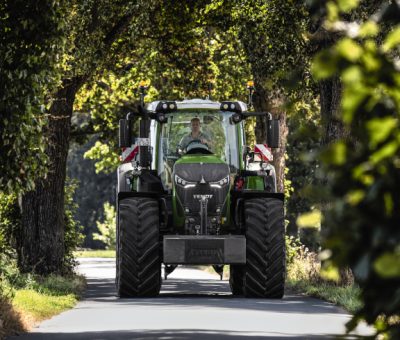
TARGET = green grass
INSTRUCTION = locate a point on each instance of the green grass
(26, 299)
(42, 298)
(344, 296)
(95, 253)
(41, 306)
(304, 276)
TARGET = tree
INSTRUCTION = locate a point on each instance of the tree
(363, 172)
(93, 28)
(272, 35)
(32, 38)
(107, 228)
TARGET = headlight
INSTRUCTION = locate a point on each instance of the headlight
(183, 183)
(220, 183)
(224, 181)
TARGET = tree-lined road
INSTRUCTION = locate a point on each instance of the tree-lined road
(192, 305)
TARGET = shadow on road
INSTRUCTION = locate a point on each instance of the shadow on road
(176, 334)
(205, 293)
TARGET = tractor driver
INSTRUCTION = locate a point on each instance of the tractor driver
(194, 135)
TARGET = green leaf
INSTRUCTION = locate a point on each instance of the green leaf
(388, 199)
(324, 65)
(349, 49)
(355, 196)
(337, 153)
(347, 5)
(333, 11)
(392, 40)
(352, 98)
(388, 150)
(368, 29)
(330, 272)
(387, 265)
(380, 128)
(352, 74)
(310, 220)
(372, 62)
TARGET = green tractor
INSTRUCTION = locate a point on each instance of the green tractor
(192, 195)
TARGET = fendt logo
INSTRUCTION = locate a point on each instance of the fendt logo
(206, 253)
(202, 197)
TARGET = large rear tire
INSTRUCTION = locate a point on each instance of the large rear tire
(265, 248)
(236, 278)
(138, 248)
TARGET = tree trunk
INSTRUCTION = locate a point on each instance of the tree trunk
(41, 244)
(264, 102)
(330, 96)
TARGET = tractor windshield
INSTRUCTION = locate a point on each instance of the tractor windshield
(197, 132)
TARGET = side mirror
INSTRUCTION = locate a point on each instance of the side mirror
(273, 133)
(125, 135)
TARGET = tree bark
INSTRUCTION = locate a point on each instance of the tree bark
(266, 102)
(330, 97)
(41, 243)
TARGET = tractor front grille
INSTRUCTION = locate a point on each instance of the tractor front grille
(202, 178)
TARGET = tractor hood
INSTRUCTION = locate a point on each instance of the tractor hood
(198, 168)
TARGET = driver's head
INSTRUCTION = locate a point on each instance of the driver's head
(195, 123)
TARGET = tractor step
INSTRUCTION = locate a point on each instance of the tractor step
(204, 249)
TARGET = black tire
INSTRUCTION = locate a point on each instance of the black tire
(236, 278)
(265, 248)
(138, 248)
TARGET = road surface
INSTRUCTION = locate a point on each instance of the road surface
(192, 305)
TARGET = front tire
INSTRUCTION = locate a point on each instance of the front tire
(236, 278)
(138, 248)
(265, 248)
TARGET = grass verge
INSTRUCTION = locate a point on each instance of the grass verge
(33, 299)
(344, 296)
(95, 253)
(304, 276)
(41, 306)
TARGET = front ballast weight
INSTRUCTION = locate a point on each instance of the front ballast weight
(180, 209)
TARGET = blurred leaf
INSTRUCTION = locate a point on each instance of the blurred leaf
(392, 40)
(388, 265)
(310, 220)
(388, 150)
(369, 29)
(380, 128)
(371, 61)
(336, 153)
(349, 49)
(330, 272)
(325, 255)
(352, 74)
(352, 98)
(355, 197)
(388, 199)
(333, 11)
(324, 65)
(347, 5)
(360, 173)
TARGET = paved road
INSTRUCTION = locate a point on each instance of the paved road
(192, 305)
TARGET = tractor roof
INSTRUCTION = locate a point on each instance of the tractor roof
(194, 104)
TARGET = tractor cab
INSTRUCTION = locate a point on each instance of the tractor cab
(197, 135)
